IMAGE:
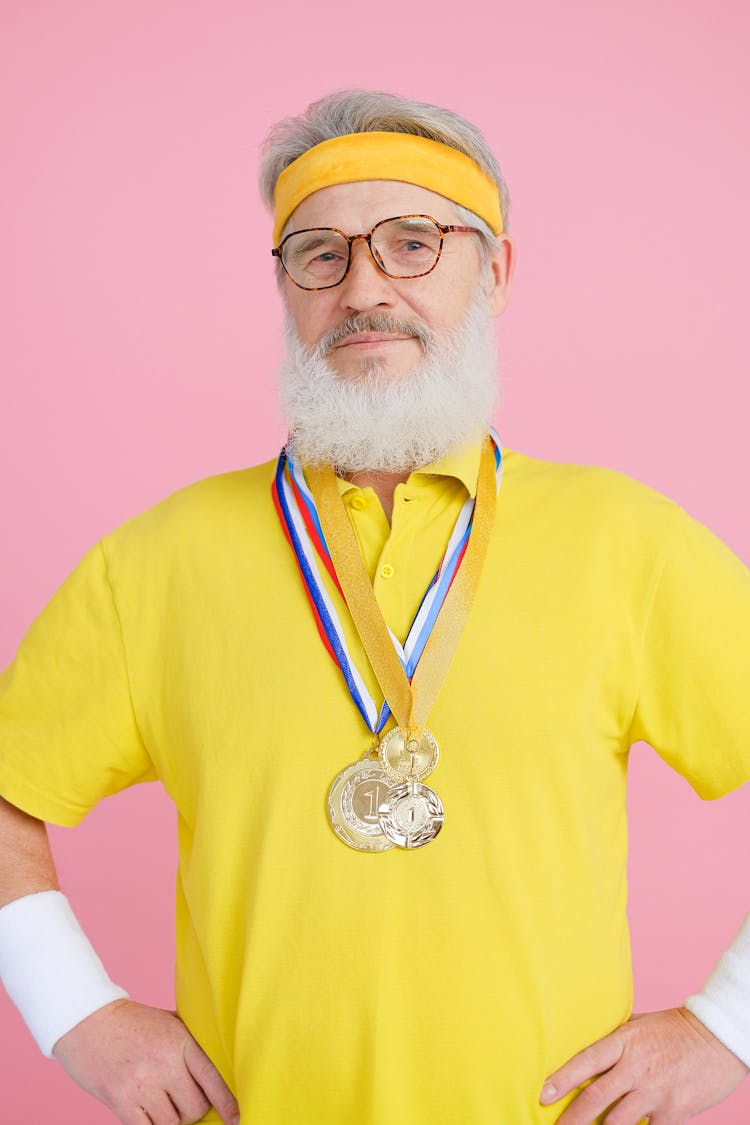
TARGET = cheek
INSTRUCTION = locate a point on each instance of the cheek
(440, 302)
(445, 311)
(310, 315)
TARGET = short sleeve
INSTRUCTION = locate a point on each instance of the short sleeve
(694, 696)
(68, 735)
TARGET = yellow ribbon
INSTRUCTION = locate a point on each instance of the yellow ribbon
(410, 704)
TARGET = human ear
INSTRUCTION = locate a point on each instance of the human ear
(502, 264)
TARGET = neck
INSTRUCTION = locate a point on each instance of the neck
(382, 484)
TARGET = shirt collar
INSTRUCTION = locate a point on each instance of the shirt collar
(462, 464)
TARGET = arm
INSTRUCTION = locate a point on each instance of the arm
(692, 709)
(723, 1004)
(667, 1064)
(26, 863)
(136, 1059)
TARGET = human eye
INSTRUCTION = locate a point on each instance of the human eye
(322, 247)
(327, 260)
(408, 244)
(316, 256)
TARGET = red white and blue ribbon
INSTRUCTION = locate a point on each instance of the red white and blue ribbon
(299, 520)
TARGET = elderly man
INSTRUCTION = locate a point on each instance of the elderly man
(390, 683)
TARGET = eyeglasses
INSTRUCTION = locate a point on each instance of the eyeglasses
(402, 247)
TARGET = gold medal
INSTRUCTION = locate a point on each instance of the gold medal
(408, 759)
(353, 804)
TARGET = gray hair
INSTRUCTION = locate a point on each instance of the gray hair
(366, 111)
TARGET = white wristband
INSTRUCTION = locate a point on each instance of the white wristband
(723, 1004)
(48, 967)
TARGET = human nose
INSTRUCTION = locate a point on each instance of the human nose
(365, 285)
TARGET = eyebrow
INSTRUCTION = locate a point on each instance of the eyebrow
(416, 224)
(313, 241)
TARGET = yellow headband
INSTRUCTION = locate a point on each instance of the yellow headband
(387, 156)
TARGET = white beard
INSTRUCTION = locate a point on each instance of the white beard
(386, 423)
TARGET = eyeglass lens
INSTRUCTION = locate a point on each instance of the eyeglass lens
(404, 247)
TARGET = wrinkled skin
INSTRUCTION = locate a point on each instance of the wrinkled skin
(665, 1067)
(145, 1066)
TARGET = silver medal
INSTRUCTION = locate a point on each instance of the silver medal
(411, 815)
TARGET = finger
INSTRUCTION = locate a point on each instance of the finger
(631, 1110)
(210, 1081)
(587, 1064)
(595, 1098)
(133, 1115)
(189, 1100)
(160, 1111)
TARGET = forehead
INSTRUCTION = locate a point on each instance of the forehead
(355, 208)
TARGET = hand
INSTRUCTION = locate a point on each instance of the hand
(144, 1064)
(666, 1066)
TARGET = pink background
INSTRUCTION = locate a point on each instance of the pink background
(142, 334)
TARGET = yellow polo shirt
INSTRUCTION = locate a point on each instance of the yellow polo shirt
(420, 988)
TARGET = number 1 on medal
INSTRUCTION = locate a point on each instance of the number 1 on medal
(373, 796)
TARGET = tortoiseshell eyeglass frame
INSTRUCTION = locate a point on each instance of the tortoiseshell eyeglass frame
(350, 238)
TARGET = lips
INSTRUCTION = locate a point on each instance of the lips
(372, 338)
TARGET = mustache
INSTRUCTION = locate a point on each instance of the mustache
(374, 322)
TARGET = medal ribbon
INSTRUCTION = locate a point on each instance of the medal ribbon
(409, 702)
(301, 498)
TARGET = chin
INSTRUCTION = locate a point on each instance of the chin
(370, 367)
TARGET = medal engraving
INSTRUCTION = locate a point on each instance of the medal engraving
(408, 760)
(354, 799)
(411, 815)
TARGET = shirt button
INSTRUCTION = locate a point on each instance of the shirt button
(387, 571)
(358, 503)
